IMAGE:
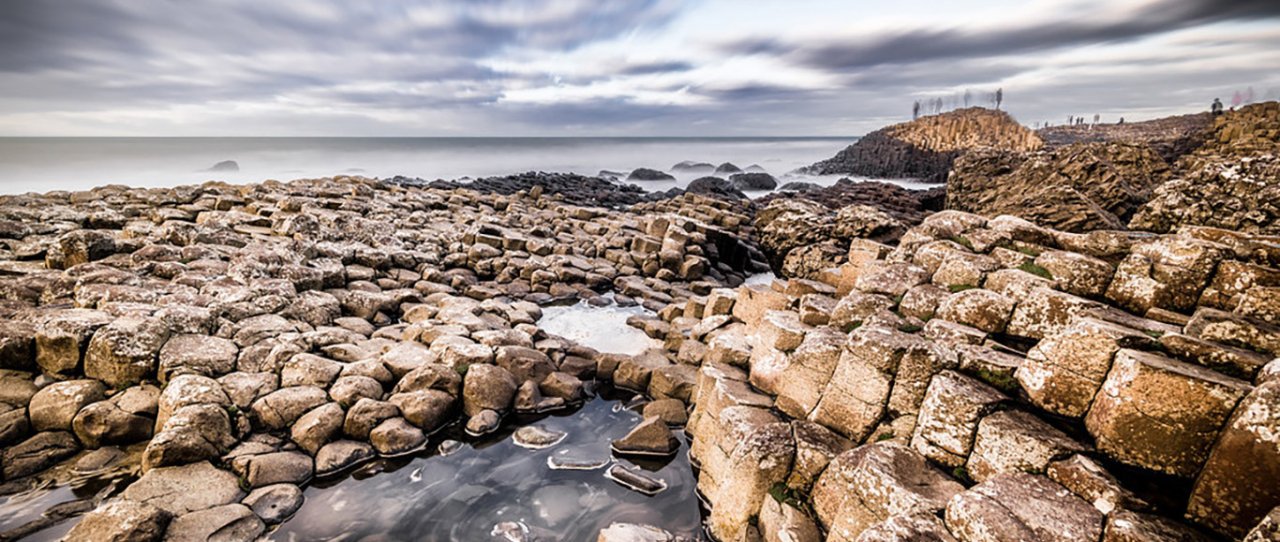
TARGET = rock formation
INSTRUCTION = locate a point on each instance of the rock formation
(1080, 187)
(1171, 137)
(925, 148)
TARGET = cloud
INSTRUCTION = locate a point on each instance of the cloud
(585, 67)
(1058, 31)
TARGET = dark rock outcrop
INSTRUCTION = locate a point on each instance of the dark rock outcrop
(925, 148)
(1082, 187)
(689, 166)
(225, 165)
(646, 174)
(753, 181)
(715, 186)
(572, 188)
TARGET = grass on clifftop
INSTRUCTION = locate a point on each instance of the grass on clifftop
(1036, 270)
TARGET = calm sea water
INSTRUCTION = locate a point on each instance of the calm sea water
(42, 164)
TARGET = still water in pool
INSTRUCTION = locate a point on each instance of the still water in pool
(494, 489)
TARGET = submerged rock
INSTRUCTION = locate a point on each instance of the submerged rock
(225, 165)
(535, 437)
(636, 480)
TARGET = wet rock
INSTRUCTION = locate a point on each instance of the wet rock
(487, 387)
(630, 532)
(37, 453)
(535, 437)
(230, 522)
(636, 480)
(562, 385)
(483, 423)
(1161, 414)
(715, 186)
(55, 406)
(121, 520)
(274, 503)
(347, 390)
(185, 489)
(340, 455)
(1022, 507)
(396, 436)
(650, 437)
(125, 351)
(524, 363)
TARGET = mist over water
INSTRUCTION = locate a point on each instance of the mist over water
(45, 164)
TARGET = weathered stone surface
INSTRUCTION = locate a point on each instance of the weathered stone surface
(949, 416)
(37, 453)
(872, 483)
(802, 381)
(1229, 495)
(1091, 482)
(55, 406)
(396, 436)
(1127, 526)
(650, 437)
(1063, 373)
(127, 417)
(340, 455)
(274, 503)
(1076, 274)
(782, 522)
(858, 393)
(982, 309)
(229, 522)
(915, 526)
(121, 520)
(1015, 441)
(197, 354)
(1022, 507)
(277, 467)
(192, 433)
(487, 387)
(62, 339)
(185, 489)
(816, 447)
(1044, 312)
(630, 532)
(317, 427)
(427, 409)
(1168, 272)
(758, 462)
(1160, 413)
(280, 408)
(125, 351)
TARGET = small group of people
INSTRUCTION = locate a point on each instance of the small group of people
(1216, 108)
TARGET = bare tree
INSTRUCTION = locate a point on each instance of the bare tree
(968, 97)
(915, 110)
(999, 97)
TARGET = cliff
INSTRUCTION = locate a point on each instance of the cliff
(925, 148)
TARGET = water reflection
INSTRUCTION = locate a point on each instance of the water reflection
(493, 489)
(602, 328)
(44, 507)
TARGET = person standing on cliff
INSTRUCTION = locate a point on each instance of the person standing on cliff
(1216, 108)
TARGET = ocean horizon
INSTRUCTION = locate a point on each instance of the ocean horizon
(41, 164)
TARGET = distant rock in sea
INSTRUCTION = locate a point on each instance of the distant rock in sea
(693, 167)
(800, 186)
(715, 186)
(755, 168)
(225, 165)
(646, 174)
(728, 167)
(753, 181)
(608, 174)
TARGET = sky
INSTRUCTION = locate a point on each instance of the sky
(611, 68)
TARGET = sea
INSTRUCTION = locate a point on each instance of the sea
(47, 164)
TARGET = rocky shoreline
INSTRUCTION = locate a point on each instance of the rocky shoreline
(1016, 366)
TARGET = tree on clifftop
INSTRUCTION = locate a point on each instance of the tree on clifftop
(999, 97)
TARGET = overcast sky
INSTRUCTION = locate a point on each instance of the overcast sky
(610, 67)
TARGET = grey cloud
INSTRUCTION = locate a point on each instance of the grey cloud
(657, 67)
(924, 44)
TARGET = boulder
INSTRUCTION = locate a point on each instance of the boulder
(1015, 441)
(1162, 414)
(949, 416)
(121, 520)
(869, 484)
(230, 522)
(487, 387)
(1022, 507)
(37, 453)
(125, 351)
(1227, 495)
(197, 354)
(650, 438)
(396, 436)
(55, 406)
(185, 489)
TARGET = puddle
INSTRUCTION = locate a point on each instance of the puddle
(46, 507)
(493, 489)
(602, 328)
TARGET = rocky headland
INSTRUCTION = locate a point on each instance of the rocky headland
(1095, 360)
(925, 148)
